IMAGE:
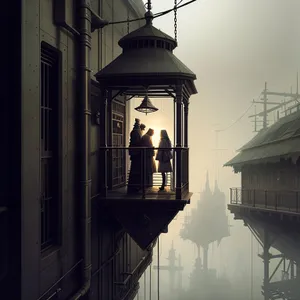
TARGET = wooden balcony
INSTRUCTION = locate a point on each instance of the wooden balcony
(147, 212)
(116, 170)
(282, 201)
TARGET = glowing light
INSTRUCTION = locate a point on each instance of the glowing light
(156, 136)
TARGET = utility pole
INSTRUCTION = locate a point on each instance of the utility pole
(265, 121)
(172, 268)
(275, 105)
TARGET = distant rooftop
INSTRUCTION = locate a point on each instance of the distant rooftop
(281, 140)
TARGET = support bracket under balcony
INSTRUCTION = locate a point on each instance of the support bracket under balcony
(145, 220)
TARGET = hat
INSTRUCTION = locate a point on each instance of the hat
(143, 126)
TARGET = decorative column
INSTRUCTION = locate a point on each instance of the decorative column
(173, 174)
(103, 142)
(186, 123)
(179, 98)
(186, 144)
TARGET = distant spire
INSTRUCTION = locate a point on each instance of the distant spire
(207, 182)
(216, 186)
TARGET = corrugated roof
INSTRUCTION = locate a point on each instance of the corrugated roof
(282, 139)
(280, 149)
(141, 62)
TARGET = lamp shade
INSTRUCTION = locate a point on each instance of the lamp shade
(146, 106)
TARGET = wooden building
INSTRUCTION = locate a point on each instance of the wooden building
(268, 201)
(270, 167)
(68, 230)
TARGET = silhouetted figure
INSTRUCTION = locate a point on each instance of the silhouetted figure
(164, 157)
(149, 163)
(134, 180)
(142, 126)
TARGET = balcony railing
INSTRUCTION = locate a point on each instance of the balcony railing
(124, 168)
(280, 200)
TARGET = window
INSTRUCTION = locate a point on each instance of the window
(118, 140)
(49, 140)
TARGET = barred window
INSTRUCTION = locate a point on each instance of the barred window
(49, 140)
(118, 140)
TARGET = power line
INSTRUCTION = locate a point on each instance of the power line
(157, 15)
(239, 118)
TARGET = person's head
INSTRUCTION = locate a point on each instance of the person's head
(142, 126)
(164, 134)
(150, 132)
(136, 125)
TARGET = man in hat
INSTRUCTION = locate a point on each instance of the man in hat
(134, 180)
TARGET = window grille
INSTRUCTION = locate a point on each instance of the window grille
(118, 140)
(49, 139)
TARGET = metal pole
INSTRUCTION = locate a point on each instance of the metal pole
(158, 268)
(179, 96)
(84, 74)
(251, 266)
(266, 265)
(150, 282)
(265, 107)
(145, 282)
(174, 141)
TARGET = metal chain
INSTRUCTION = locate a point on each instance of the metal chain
(175, 19)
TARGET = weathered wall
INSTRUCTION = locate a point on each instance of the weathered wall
(41, 271)
(284, 175)
(10, 152)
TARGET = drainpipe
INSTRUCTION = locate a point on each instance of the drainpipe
(84, 77)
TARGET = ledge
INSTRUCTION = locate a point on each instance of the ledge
(143, 219)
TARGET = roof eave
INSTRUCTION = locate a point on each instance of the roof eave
(117, 78)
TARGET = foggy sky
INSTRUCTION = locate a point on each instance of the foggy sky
(233, 46)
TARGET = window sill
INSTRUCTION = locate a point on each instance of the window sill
(49, 256)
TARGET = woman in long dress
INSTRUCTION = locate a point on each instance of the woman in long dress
(164, 156)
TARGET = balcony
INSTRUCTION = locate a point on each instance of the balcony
(116, 171)
(267, 200)
(146, 212)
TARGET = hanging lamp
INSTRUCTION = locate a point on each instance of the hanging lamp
(146, 106)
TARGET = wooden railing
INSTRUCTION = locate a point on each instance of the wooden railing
(115, 163)
(281, 200)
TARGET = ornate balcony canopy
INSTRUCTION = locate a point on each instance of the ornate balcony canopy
(147, 67)
(147, 62)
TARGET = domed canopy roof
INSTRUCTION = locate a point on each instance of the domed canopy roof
(148, 31)
(147, 59)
